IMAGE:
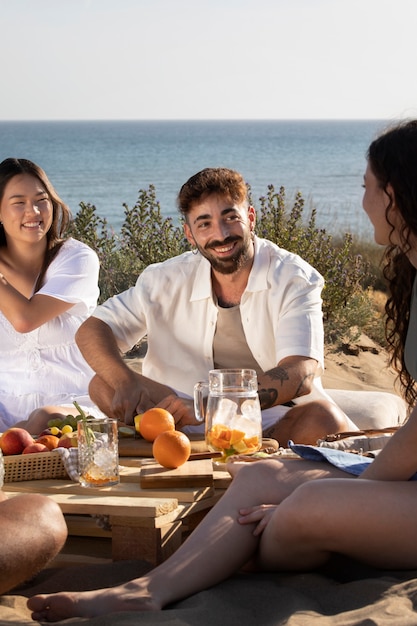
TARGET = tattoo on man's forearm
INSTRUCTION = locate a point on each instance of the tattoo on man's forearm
(267, 397)
(299, 389)
(278, 373)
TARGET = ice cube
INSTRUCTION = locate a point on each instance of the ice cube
(225, 412)
(249, 426)
(251, 410)
(104, 458)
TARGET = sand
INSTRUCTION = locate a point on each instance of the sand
(362, 366)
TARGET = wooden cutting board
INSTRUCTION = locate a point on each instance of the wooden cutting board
(129, 446)
(191, 474)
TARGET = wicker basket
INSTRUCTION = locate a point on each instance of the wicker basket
(36, 466)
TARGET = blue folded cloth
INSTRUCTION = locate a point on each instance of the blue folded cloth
(347, 461)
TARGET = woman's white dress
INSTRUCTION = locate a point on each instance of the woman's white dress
(45, 365)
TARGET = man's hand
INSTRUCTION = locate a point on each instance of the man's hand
(129, 399)
(182, 410)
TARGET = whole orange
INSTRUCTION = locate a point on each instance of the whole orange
(153, 422)
(171, 449)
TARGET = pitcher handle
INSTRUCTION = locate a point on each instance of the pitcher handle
(200, 400)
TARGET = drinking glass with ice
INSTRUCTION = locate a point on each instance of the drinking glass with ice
(98, 452)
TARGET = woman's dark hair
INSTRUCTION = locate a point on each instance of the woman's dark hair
(392, 158)
(61, 214)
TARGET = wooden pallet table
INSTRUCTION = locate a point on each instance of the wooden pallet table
(146, 523)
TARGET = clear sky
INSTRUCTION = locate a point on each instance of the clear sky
(208, 59)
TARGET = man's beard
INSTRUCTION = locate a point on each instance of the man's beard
(233, 263)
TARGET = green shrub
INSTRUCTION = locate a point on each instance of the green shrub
(373, 254)
(347, 323)
(145, 237)
(148, 234)
(93, 230)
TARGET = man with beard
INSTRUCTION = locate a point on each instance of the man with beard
(234, 301)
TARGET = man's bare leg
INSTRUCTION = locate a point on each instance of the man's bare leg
(306, 423)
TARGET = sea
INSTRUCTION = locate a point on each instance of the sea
(107, 163)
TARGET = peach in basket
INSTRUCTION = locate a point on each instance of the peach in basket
(14, 440)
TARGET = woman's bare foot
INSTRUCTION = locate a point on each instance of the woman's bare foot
(133, 596)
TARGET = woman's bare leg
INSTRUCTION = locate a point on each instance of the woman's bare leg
(220, 541)
(38, 419)
(374, 522)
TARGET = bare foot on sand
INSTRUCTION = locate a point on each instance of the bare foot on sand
(133, 596)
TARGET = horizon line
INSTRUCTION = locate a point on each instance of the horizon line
(207, 119)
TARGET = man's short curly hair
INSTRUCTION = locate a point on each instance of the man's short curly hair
(212, 180)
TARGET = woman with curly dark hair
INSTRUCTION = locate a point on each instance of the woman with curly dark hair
(392, 175)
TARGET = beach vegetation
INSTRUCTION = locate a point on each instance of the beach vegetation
(351, 270)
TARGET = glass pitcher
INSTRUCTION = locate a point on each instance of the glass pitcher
(229, 404)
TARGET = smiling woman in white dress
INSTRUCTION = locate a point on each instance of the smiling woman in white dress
(48, 286)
